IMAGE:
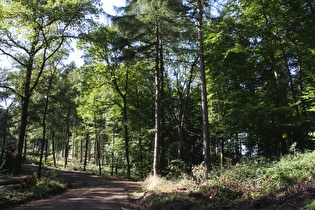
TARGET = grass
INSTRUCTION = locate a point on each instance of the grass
(244, 181)
(50, 184)
(310, 205)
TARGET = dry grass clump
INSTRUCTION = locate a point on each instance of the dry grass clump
(157, 183)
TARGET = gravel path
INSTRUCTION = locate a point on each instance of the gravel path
(89, 192)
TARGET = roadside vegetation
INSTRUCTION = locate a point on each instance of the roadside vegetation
(251, 184)
(288, 183)
(11, 194)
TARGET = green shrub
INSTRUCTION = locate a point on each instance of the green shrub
(310, 205)
(176, 168)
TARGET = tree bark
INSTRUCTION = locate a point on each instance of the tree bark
(67, 139)
(44, 137)
(204, 103)
(4, 132)
(44, 141)
(126, 134)
(112, 157)
(86, 151)
(184, 97)
(53, 146)
(98, 150)
(25, 100)
(159, 107)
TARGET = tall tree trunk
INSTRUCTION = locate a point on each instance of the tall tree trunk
(126, 134)
(53, 140)
(99, 155)
(81, 150)
(98, 150)
(113, 157)
(141, 158)
(67, 139)
(280, 94)
(4, 132)
(43, 142)
(25, 100)
(46, 150)
(156, 159)
(159, 112)
(86, 151)
(305, 136)
(24, 148)
(53, 146)
(204, 104)
(222, 152)
(183, 111)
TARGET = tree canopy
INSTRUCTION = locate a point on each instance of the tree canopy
(166, 85)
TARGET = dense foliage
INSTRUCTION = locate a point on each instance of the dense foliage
(135, 105)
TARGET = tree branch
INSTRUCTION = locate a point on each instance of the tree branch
(11, 89)
(13, 57)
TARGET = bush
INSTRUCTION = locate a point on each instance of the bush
(176, 168)
(200, 174)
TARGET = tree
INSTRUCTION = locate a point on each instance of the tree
(44, 142)
(184, 77)
(31, 33)
(155, 29)
(255, 79)
(204, 101)
(105, 49)
(151, 16)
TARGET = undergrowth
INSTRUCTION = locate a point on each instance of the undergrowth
(50, 184)
(246, 180)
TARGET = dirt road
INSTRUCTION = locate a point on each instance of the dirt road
(89, 192)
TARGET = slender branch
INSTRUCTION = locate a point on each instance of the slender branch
(45, 58)
(12, 89)
(16, 44)
(13, 57)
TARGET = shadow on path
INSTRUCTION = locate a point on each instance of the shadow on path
(88, 192)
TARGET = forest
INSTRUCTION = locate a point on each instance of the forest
(165, 83)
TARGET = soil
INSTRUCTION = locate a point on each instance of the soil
(88, 192)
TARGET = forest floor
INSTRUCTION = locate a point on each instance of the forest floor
(87, 191)
(197, 201)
